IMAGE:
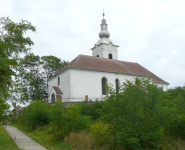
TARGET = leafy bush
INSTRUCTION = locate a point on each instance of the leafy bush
(66, 120)
(103, 133)
(57, 115)
(74, 121)
(175, 92)
(136, 114)
(177, 124)
(91, 109)
(36, 114)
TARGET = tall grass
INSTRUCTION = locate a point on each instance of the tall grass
(171, 143)
(82, 140)
(86, 140)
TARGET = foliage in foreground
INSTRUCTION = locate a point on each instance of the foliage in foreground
(36, 114)
(7, 142)
(40, 114)
(139, 116)
(91, 109)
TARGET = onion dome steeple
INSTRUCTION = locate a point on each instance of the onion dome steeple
(105, 47)
(104, 33)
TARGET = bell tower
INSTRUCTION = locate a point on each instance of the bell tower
(105, 47)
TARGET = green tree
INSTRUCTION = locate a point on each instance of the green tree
(177, 91)
(3, 110)
(138, 114)
(12, 43)
(31, 79)
(52, 65)
(34, 74)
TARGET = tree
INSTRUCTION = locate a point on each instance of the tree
(3, 110)
(137, 114)
(34, 74)
(52, 65)
(31, 79)
(177, 91)
(12, 43)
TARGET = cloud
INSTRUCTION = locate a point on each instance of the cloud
(151, 33)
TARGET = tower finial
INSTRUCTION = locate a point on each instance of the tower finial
(104, 33)
(103, 14)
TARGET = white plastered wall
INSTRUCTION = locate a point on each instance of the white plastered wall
(103, 50)
(164, 86)
(64, 85)
(76, 83)
(88, 82)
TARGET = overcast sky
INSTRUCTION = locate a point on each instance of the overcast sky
(149, 32)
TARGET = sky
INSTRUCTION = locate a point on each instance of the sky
(149, 32)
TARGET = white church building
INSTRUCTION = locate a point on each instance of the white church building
(85, 77)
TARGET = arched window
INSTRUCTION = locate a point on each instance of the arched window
(104, 83)
(97, 55)
(110, 56)
(58, 81)
(53, 98)
(117, 85)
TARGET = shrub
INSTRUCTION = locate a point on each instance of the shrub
(136, 114)
(103, 133)
(66, 120)
(57, 115)
(91, 109)
(177, 124)
(36, 114)
(74, 121)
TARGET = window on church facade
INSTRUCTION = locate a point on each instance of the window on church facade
(110, 56)
(53, 98)
(117, 85)
(104, 83)
(58, 81)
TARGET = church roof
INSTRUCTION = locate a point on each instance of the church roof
(110, 65)
(57, 90)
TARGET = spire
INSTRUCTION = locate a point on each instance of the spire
(103, 14)
(104, 33)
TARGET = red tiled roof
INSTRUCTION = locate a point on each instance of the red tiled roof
(110, 65)
(57, 90)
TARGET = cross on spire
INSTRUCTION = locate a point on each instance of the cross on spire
(103, 15)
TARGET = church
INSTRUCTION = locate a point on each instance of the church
(85, 77)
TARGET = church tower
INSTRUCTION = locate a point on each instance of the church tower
(105, 47)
